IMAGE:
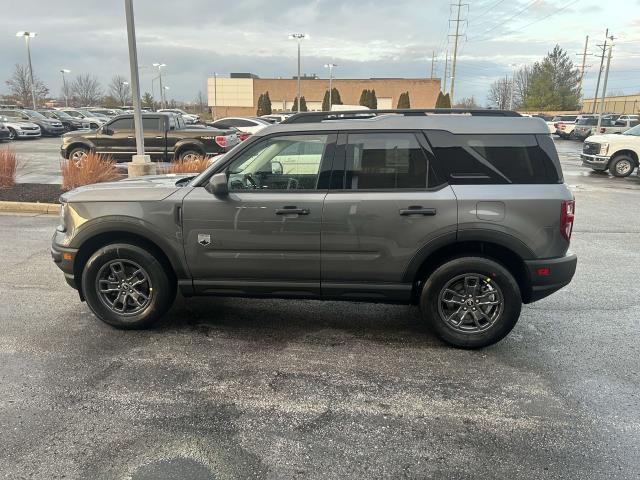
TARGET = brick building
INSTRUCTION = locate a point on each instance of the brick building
(238, 94)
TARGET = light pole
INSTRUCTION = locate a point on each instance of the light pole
(159, 66)
(124, 97)
(215, 95)
(64, 86)
(27, 37)
(299, 37)
(513, 84)
(330, 66)
(164, 89)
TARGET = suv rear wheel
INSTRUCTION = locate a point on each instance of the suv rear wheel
(471, 302)
(126, 286)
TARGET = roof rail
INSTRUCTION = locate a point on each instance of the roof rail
(317, 117)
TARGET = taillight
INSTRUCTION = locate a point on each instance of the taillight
(243, 136)
(567, 215)
(602, 129)
(555, 125)
(221, 140)
(562, 126)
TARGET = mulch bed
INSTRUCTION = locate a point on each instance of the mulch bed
(31, 192)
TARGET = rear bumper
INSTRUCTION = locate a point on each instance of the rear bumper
(596, 162)
(549, 275)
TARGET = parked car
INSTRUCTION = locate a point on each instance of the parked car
(618, 153)
(165, 137)
(631, 118)
(189, 118)
(275, 117)
(465, 215)
(4, 131)
(48, 127)
(20, 129)
(94, 120)
(564, 125)
(107, 112)
(248, 125)
(618, 126)
(586, 127)
(69, 123)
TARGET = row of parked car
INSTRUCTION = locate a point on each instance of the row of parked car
(579, 127)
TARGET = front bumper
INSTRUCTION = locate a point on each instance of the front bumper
(4, 134)
(596, 162)
(549, 275)
(28, 133)
(64, 257)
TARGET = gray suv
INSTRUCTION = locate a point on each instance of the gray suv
(464, 213)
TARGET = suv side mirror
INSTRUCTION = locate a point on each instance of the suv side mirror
(218, 185)
(105, 130)
(276, 168)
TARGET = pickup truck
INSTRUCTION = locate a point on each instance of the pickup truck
(165, 137)
(618, 153)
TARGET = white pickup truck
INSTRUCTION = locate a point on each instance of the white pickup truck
(618, 153)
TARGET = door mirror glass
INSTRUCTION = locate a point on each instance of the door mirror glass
(218, 185)
(276, 168)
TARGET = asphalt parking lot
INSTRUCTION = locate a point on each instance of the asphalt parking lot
(229, 388)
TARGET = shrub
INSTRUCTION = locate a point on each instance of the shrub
(93, 168)
(8, 167)
(197, 165)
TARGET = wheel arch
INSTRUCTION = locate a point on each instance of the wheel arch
(189, 144)
(78, 144)
(628, 152)
(432, 256)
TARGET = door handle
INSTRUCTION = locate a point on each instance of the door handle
(418, 210)
(292, 210)
(129, 138)
(159, 137)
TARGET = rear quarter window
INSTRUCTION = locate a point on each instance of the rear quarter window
(492, 159)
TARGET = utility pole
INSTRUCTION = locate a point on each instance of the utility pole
(604, 87)
(433, 63)
(446, 68)
(604, 51)
(455, 49)
(584, 61)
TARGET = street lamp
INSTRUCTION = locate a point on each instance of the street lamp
(124, 99)
(64, 86)
(28, 36)
(330, 66)
(159, 66)
(298, 37)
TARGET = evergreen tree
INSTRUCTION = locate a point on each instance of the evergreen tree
(260, 110)
(147, 100)
(373, 100)
(335, 97)
(267, 104)
(325, 101)
(403, 101)
(446, 101)
(440, 100)
(553, 84)
(303, 105)
(363, 98)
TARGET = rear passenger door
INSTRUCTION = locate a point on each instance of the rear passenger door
(384, 206)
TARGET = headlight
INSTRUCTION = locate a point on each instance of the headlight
(604, 148)
(63, 218)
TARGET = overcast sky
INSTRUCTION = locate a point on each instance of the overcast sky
(366, 38)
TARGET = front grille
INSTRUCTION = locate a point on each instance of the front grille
(30, 128)
(591, 148)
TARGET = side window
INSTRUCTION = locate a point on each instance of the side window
(221, 124)
(378, 161)
(172, 122)
(289, 162)
(122, 125)
(150, 123)
(238, 122)
(492, 159)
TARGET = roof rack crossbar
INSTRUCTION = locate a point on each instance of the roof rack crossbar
(317, 117)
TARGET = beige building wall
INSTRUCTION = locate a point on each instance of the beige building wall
(233, 93)
(629, 104)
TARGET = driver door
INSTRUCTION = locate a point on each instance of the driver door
(264, 236)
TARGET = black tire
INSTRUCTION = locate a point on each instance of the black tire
(160, 290)
(490, 275)
(189, 153)
(12, 134)
(622, 166)
(77, 153)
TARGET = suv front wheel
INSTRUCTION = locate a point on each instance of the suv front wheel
(471, 302)
(126, 286)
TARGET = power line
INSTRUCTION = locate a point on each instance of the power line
(489, 9)
(519, 12)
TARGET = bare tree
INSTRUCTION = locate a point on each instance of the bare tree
(201, 102)
(500, 93)
(86, 90)
(467, 102)
(20, 86)
(521, 85)
(120, 90)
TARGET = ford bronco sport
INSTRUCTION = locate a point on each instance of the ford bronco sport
(462, 212)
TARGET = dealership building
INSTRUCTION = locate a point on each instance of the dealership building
(237, 95)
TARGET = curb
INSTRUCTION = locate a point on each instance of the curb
(30, 207)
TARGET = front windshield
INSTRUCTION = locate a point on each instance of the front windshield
(60, 115)
(34, 114)
(635, 131)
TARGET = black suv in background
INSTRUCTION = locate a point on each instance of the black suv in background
(48, 126)
(68, 122)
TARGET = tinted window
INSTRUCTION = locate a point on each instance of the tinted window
(149, 123)
(221, 124)
(122, 124)
(492, 159)
(385, 161)
(238, 122)
(279, 163)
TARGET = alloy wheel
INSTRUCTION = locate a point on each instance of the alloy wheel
(470, 303)
(124, 287)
